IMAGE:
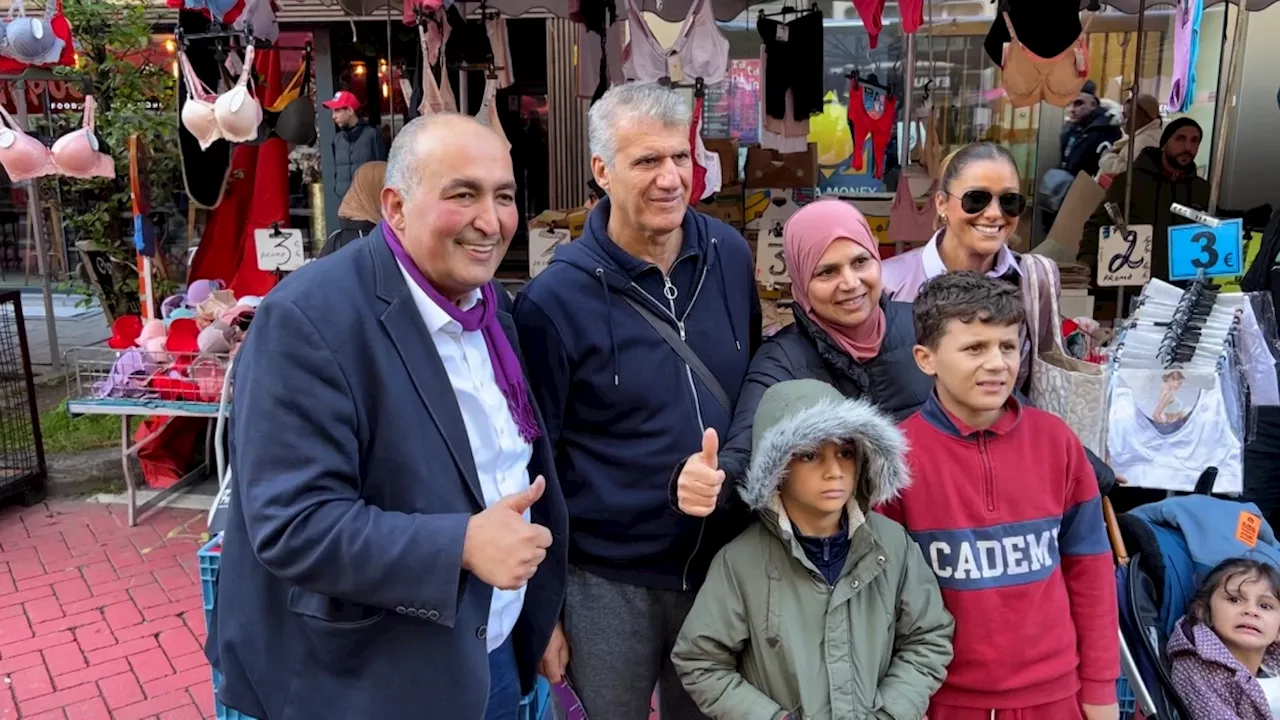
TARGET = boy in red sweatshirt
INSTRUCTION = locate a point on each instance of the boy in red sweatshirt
(1005, 507)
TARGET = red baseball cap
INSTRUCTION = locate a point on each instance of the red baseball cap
(343, 99)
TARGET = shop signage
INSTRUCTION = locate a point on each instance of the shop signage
(771, 264)
(542, 246)
(1124, 258)
(1219, 252)
(279, 249)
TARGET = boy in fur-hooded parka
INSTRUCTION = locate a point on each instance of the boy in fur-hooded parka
(821, 610)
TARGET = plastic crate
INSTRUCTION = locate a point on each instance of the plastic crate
(210, 559)
(1128, 701)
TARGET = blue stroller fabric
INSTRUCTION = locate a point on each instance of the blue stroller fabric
(1209, 526)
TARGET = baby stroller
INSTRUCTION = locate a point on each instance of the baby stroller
(1157, 573)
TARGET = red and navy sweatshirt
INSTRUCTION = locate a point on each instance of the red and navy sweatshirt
(1010, 520)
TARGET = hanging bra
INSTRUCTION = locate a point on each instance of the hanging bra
(488, 115)
(292, 117)
(907, 224)
(436, 97)
(76, 154)
(233, 116)
(1029, 78)
(31, 40)
(218, 9)
(699, 51)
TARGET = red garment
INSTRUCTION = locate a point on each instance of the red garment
(1011, 522)
(862, 124)
(232, 15)
(61, 30)
(912, 13)
(1068, 709)
(870, 12)
(699, 172)
(270, 201)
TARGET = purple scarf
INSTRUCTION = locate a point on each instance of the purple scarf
(482, 316)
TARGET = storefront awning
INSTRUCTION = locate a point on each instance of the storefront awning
(673, 10)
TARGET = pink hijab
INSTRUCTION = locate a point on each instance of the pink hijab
(807, 235)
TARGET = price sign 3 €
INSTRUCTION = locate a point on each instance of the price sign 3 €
(1218, 252)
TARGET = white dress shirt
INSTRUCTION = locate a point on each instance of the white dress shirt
(501, 455)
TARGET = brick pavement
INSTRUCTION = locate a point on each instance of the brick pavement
(100, 620)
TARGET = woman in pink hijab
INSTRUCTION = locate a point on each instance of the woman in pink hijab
(846, 333)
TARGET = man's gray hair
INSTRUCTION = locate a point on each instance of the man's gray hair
(403, 174)
(628, 103)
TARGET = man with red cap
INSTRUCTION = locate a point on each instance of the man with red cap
(354, 144)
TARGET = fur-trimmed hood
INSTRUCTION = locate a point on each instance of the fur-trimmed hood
(799, 415)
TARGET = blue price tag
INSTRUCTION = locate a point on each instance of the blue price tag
(1219, 251)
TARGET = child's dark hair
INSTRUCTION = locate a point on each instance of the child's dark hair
(973, 152)
(965, 296)
(1237, 570)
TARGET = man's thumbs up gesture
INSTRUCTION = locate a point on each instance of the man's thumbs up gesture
(699, 483)
(501, 547)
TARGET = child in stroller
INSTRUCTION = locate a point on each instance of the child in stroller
(1223, 656)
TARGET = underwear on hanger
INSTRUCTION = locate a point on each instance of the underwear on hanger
(930, 151)
(488, 115)
(700, 49)
(1029, 78)
(794, 66)
(217, 9)
(233, 116)
(259, 16)
(870, 11)
(436, 97)
(204, 172)
(77, 154)
(862, 124)
(30, 39)
(907, 224)
(292, 117)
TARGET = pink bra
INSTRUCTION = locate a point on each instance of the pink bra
(906, 223)
(75, 154)
(233, 116)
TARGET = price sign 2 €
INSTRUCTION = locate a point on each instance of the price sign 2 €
(1219, 251)
(279, 250)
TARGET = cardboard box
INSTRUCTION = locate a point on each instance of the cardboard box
(769, 169)
(727, 149)
(725, 206)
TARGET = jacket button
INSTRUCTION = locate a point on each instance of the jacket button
(401, 610)
(482, 632)
(432, 615)
(856, 584)
(881, 560)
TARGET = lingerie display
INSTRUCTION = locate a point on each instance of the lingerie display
(1029, 78)
(35, 40)
(233, 116)
(259, 17)
(907, 223)
(292, 117)
(794, 68)
(929, 152)
(878, 124)
(600, 40)
(78, 154)
(707, 177)
(700, 50)
(783, 134)
(1045, 27)
(870, 11)
(470, 41)
(1185, 372)
(1186, 52)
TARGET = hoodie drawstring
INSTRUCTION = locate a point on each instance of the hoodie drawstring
(724, 294)
(608, 311)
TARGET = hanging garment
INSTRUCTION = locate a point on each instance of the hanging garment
(699, 51)
(496, 28)
(411, 8)
(436, 97)
(1186, 51)
(259, 17)
(929, 152)
(912, 14)
(907, 224)
(488, 115)
(77, 154)
(795, 65)
(863, 124)
(233, 116)
(1045, 27)
(870, 12)
(1029, 78)
(30, 39)
(204, 171)
(217, 9)
(706, 165)
(785, 134)
(293, 116)
(1168, 446)
(468, 40)
(599, 59)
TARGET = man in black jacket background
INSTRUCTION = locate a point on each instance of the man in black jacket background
(354, 144)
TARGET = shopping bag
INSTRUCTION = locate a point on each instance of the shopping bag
(1074, 390)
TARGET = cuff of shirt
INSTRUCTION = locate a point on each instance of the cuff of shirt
(1093, 692)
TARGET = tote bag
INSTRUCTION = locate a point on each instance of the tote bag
(1074, 390)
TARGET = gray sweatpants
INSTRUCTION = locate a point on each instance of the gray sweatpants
(620, 640)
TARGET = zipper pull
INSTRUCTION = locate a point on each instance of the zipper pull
(668, 289)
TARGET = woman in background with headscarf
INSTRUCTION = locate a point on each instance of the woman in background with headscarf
(846, 332)
(361, 208)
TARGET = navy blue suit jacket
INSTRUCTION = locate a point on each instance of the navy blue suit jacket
(341, 592)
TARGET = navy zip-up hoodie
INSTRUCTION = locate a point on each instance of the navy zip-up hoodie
(621, 407)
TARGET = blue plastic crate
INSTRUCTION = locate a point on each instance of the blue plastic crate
(210, 559)
(1128, 701)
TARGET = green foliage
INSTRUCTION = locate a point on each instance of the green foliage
(134, 95)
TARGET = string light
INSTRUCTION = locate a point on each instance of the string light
(386, 90)
(358, 70)
(170, 46)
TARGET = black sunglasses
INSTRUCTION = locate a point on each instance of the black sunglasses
(1012, 204)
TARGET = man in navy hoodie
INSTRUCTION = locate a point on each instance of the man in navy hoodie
(637, 338)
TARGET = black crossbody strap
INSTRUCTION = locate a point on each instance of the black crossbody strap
(685, 352)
